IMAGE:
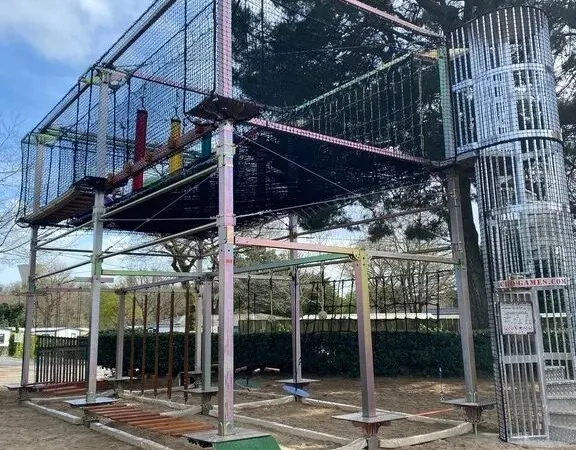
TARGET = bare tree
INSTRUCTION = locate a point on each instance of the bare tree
(12, 240)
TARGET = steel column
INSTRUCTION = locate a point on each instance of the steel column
(462, 291)
(364, 335)
(198, 313)
(98, 232)
(29, 312)
(295, 304)
(207, 335)
(226, 281)
(120, 335)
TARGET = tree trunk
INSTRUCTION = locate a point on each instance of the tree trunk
(474, 262)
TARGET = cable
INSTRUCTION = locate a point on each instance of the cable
(186, 192)
(293, 162)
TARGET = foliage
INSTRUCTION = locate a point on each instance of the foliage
(108, 310)
(334, 354)
(12, 315)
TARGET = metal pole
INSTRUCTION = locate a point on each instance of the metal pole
(207, 335)
(120, 335)
(295, 304)
(225, 154)
(457, 234)
(29, 312)
(198, 314)
(364, 335)
(226, 282)
(101, 153)
(462, 292)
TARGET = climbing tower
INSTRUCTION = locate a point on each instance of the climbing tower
(506, 124)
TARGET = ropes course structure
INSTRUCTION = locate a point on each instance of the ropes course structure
(209, 117)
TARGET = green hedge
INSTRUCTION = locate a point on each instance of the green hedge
(400, 353)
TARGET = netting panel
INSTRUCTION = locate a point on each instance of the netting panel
(165, 69)
(315, 65)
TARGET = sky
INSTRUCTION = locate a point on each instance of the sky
(45, 46)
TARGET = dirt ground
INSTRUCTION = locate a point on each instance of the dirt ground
(24, 429)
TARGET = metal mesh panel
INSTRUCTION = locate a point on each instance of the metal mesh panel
(506, 115)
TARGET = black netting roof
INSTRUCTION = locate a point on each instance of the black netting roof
(307, 176)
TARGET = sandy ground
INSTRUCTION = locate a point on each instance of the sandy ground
(24, 429)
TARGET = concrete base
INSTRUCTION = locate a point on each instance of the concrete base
(472, 410)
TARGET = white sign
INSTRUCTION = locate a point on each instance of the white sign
(517, 318)
(531, 282)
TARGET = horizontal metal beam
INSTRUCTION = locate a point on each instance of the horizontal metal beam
(394, 19)
(113, 211)
(66, 233)
(365, 221)
(148, 273)
(161, 240)
(269, 243)
(411, 257)
(65, 269)
(89, 251)
(275, 265)
(389, 152)
(192, 277)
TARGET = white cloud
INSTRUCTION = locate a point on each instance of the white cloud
(72, 31)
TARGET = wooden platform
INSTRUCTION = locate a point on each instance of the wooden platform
(148, 420)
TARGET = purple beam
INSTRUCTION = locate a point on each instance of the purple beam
(389, 152)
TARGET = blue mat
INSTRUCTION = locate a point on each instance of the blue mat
(295, 391)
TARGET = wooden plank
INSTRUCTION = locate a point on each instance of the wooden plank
(173, 424)
(148, 421)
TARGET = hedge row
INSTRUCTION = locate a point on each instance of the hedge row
(401, 353)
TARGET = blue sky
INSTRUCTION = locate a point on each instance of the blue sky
(45, 45)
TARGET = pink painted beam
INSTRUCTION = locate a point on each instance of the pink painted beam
(257, 242)
(389, 152)
(394, 19)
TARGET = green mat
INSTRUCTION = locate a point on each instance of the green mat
(259, 443)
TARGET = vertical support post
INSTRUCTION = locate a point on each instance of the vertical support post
(120, 335)
(295, 304)
(198, 314)
(207, 335)
(29, 311)
(98, 231)
(226, 281)
(186, 380)
(170, 374)
(364, 334)
(457, 233)
(225, 153)
(462, 292)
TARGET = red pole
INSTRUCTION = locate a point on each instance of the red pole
(140, 146)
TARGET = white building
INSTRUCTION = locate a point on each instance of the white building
(5, 333)
(64, 332)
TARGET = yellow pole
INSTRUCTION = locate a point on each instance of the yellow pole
(175, 162)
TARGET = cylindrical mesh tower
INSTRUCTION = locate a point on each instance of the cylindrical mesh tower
(506, 122)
